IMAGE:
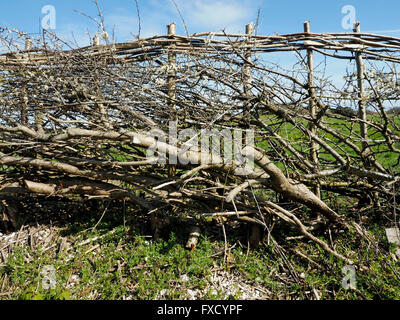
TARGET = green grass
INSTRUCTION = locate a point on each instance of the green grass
(300, 142)
(125, 262)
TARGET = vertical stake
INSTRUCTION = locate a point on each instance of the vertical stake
(172, 88)
(96, 40)
(24, 95)
(362, 113)
(256, 232)
(247, 82)
(247, 77)
(312, 109)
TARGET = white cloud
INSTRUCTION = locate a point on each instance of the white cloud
(209, 15)
(218, 14)
(199, 16)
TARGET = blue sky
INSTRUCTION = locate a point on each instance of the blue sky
(281, 16)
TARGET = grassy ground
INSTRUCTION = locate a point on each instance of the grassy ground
(116, 258)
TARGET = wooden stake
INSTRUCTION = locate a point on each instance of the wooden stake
(172, 87)
(172, 73)
(256, 231)
(96, 40)
(39, 116)
(247, 84)
(24, 95)
(312, 109)
(362, 113)
(247, 77)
